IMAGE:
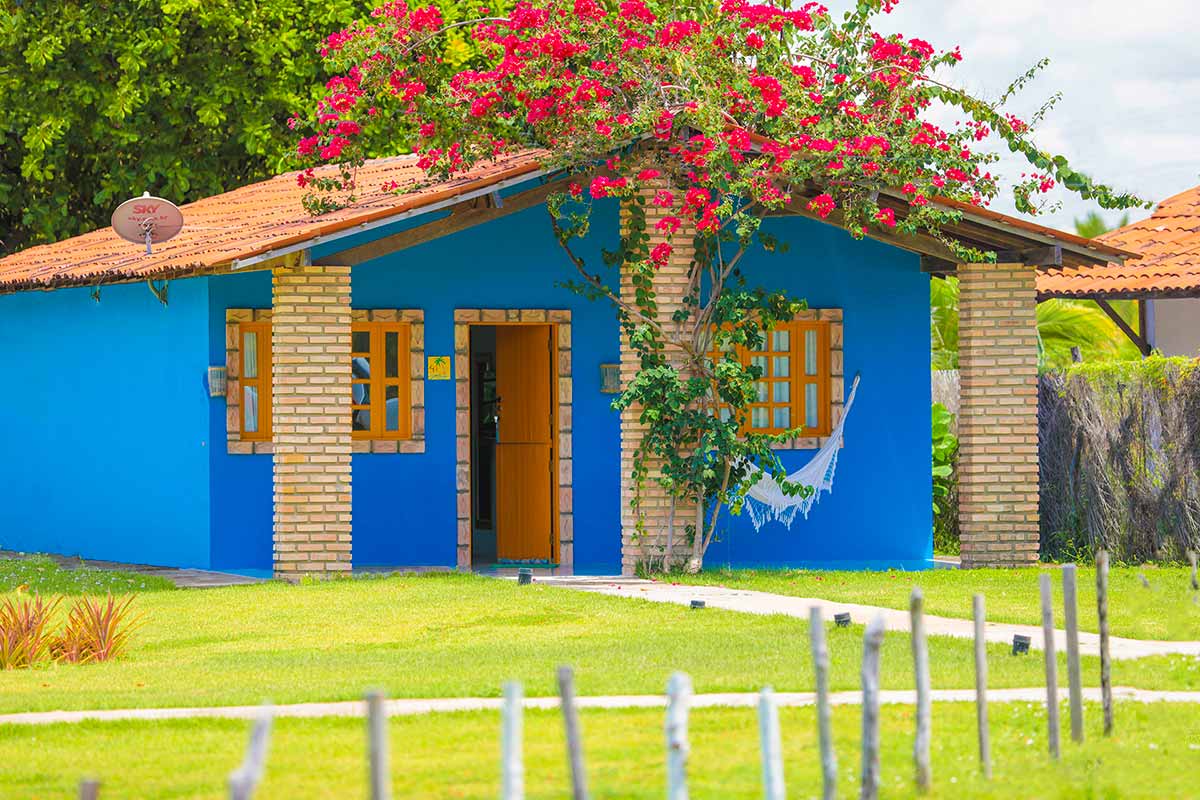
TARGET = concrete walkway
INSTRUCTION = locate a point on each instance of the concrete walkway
(767, 603)
(357, 708)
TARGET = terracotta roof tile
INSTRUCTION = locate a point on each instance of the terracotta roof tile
(243, 223)
(1169, 243)
(266, 216)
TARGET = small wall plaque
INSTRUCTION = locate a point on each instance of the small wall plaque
(439, 368)
(610, 378)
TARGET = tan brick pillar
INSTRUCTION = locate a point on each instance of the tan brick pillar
(310, 394)
(670, 283)
(997, 424)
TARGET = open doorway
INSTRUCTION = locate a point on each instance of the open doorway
(513, 434)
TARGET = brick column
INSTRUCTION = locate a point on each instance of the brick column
(670, 283)
(997, 423)
(310, 384)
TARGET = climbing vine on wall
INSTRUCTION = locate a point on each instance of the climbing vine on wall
(713, 115)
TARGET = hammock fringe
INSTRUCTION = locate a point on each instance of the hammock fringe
(765, 500)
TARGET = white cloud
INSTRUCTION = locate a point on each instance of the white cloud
(1129, 74)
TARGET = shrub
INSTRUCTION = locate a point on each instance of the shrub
(945, 481)
(1119, 456)
(94, 630)
(24, 640)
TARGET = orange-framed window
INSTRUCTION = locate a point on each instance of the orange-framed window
(381, 394)
(794, 389)
(254, 345)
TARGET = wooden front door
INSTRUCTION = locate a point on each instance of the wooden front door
(525, 470)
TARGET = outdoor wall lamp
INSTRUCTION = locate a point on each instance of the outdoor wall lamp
(217, 378)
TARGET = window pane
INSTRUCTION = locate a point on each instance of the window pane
(391, 363)
(783, 418)
(362, 394)
(360, 341)
(760, 392)
(810, 352)
(392, 396)
(249, 409)
(360, 367)
(760, 362)
(250, 354)
(781, 341)
(725, 413)
(360, 420)
(759, 418)
(783, 392)
(812, 417)
(783, 365)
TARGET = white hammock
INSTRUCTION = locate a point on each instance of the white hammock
(766, 501)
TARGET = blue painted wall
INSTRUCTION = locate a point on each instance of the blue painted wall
(880, 511)
(241, 484)
(404, 504)
(105, 442)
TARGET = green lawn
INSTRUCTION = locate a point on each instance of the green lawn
(1167, 609)
(1153, 754)
(42, 574)
(461, 635)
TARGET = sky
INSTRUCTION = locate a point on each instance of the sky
(1129, 72)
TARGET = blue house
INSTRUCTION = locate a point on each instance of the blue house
(403, 382)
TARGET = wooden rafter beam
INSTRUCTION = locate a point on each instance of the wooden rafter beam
(466, 215)
(1140, 341)
(938, 266)
(916, 243)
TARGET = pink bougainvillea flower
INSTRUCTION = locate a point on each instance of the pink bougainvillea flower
(660, 254)
(667, 225)
(823, 204)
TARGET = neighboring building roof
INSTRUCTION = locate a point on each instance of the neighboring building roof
(263, 220)
(1169, 244)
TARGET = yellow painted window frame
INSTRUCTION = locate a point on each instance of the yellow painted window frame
(797, 380)
(261, 381)
(379, 381)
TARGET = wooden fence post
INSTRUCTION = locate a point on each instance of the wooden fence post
(566, 693)
(377, 747)
(1051, 663)
(772, 747)
(89, 789)
(820, 654)
(679, 696)
(872, 644)
(1071, 622)
(512, 769)
(1105, 660)
(921, 744)
(244, 779)
(981, 709)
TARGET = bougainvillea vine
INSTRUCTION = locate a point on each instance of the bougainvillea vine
(714, 115)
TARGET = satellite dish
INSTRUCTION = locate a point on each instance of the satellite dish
(147, 219)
